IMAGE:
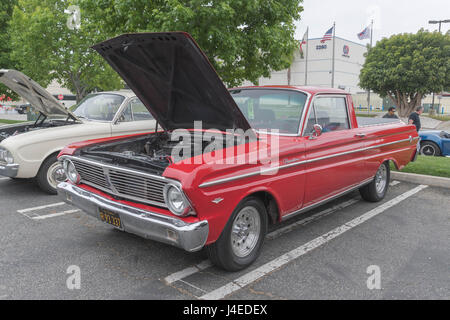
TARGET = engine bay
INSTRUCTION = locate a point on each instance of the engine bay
(20, 128)
(150, 153)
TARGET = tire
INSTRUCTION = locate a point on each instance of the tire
(376, 190)
(49, 175)
(428, 148)
(230, 251)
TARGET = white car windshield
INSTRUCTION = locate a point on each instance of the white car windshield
(98, 106)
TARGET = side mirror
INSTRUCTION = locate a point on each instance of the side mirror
(317, 131)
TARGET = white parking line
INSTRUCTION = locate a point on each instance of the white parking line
(177, 276)
(187, 272)
(41, 207)
(275, 264)
(276, 233)
(54, 214)
(4, 178)
(394, 183)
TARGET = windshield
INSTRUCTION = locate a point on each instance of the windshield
(271, 108)
(100, 106)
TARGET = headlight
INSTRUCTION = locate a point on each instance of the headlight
(71, 171)
(176, 200)
(6, 156)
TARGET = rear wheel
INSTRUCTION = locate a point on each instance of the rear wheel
(376, 190)
(242, 238)
(428, 148)
(50, 175)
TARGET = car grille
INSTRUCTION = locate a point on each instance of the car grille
(122, 183)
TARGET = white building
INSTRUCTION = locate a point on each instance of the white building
(349, 59)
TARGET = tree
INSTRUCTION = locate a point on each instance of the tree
(6, 8)
(406, 67)
(48, 48)
(243, 39)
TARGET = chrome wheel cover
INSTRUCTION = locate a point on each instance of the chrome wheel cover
(428, 150)
(381, 179)
(56, 174)
(245, 231)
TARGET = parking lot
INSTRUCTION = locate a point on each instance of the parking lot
(327, 253)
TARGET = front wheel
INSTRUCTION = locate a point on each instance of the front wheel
(242, 238)
(376, 190)
(50, 175)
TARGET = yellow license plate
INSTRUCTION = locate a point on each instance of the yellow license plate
(110, 217)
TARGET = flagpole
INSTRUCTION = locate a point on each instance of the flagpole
(332, 66)
(306, 57)
(370, 47)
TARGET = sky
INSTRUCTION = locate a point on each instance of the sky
(352, 16)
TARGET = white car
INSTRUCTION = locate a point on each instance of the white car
(30, 149)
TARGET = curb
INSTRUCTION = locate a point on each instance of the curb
(421, 179)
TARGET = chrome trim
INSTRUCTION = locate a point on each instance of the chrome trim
(314, 205)
(220, 181)
(150, 225)
(9, 170)
(188, 210)
(112, 190)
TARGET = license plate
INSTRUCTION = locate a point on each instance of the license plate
(110, 218)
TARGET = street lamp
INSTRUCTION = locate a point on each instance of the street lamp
(437, 22)
(440, 22)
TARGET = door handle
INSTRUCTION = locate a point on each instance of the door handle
(361, 135)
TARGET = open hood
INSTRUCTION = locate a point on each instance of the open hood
(174, 80)
(31, 91)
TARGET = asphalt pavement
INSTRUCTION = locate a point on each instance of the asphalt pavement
(346, 249)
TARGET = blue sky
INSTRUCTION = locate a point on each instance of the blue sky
(352, 16)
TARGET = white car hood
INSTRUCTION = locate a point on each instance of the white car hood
(31, 91)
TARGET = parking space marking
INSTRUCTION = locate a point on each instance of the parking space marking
(394, 183)
(276, 233)
(54, 214)
(177, 276)
(41, 207)
(277, 263)
(4, 178)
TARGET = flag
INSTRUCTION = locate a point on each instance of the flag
(304, 40)
(365, 34)
(328, 35)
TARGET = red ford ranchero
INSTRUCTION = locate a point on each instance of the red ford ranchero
(195, 182)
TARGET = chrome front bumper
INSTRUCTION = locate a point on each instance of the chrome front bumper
(188, 236)
(9, 170)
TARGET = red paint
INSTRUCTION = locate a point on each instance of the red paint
(295, 187)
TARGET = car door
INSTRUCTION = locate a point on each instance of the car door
(133, 118)
(334, 163)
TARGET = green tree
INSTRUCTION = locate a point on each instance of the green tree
(47, 47)
(243, 39)
(6, 8)
(406, 67)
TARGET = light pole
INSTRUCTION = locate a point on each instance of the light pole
(437, 22)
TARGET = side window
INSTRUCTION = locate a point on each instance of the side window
(140, 112)
(331, 113)
(310, 122)
(126, 115)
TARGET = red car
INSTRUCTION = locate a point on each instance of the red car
(261, 156)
